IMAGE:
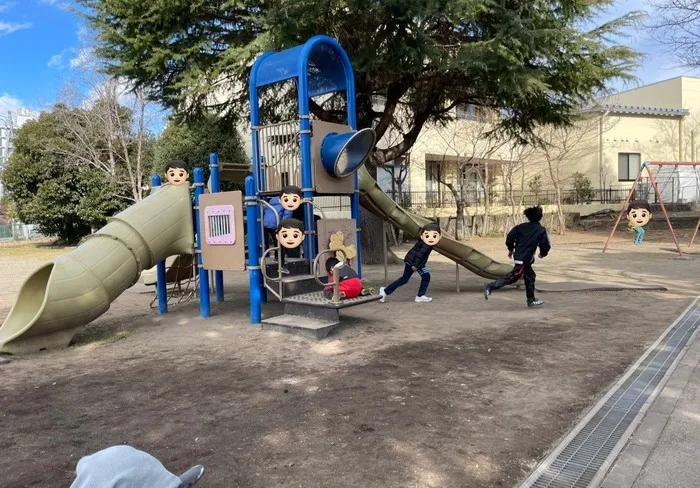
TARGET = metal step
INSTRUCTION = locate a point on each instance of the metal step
(311, 327)
(311, 314)
(317, 300)
(296, 266)
(295, 284)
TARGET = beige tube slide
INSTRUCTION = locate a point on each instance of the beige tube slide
(373, 198)
(60, 297)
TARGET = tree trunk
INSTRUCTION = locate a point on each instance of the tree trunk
(459, 221)
(487, 200)
(372, 234)
(560, 212)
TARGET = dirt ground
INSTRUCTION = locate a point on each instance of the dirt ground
(459, 392)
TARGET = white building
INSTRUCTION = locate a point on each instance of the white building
(9, 123)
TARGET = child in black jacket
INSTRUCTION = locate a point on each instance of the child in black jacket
(415, 260)
(522, 242)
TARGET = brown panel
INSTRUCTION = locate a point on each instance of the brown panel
(327, 228)
(226, 257)
(323, 182)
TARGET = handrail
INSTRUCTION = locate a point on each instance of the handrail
(263, 270)
(336, 281)
(323, 214)
(264, 239)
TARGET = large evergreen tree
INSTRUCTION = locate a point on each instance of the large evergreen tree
(535, 62)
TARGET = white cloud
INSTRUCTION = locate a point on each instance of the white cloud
(81, 58)
(10, 27)
(50, 2)
(9, 103)
(7, 6)
(55, 61)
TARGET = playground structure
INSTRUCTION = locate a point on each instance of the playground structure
(672, 182)
(319, 157)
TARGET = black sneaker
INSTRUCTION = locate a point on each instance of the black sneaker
(328, 294)
(285, 271)
(535, 303)
(487, 291)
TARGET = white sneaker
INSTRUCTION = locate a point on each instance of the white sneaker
(382, 294)
(423, 299)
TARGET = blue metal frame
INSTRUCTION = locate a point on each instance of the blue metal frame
(161, 282)
(204, 304)
(254, 274)
(216, 188)
(274, 67)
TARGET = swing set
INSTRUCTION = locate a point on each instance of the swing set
(677, 193)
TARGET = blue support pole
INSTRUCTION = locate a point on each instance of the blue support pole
(306, 168)
(216, 188)
(254, 274)
(161, 282)
(204, 305)
(352, 122)
(355, 213)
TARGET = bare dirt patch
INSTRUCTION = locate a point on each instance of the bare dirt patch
(456, 393)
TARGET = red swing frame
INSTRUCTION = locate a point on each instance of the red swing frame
(646, 166)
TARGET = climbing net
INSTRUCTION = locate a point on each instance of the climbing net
(182, 281)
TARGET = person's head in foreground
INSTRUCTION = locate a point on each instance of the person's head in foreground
(430, 234)
(126, 467)
(290, 233)
(176, 173)
(533, 214)
(639, 213)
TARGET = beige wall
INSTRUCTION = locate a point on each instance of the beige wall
(664, 94)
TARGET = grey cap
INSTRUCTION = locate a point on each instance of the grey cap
(126, 467)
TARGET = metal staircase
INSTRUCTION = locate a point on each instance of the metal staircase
(306, 311)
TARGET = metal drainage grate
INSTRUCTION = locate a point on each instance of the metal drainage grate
(576, 462)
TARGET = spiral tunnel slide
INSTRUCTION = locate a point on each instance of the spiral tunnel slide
(73, 290)
(373, 198)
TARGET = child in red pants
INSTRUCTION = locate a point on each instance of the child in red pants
(350, 285)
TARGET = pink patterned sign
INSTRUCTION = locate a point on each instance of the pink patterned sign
(219, 225)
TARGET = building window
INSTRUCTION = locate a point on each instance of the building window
(468, 111)
(628, 166)
(433, 175)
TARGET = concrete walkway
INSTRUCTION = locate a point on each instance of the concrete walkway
(664, 451)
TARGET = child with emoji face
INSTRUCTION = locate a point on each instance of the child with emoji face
(289, 235)
(638, 215)
(283, 207)
(415, 260)
(177, 173)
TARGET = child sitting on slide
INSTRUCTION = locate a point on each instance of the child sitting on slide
(350, 285)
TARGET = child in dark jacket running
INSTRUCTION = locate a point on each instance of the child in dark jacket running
(350, 285)
(415, 260)
(522, 242)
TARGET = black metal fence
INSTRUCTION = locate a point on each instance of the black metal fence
(445, 198)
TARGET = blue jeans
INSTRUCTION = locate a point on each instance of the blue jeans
(407, 273)
(640, 235)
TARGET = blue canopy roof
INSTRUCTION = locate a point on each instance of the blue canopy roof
(320, 64)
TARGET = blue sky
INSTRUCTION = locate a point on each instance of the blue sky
(40, 42)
